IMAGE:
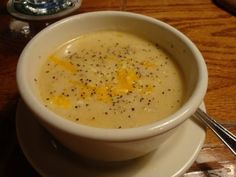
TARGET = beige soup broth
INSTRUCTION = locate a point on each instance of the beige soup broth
(111, 79)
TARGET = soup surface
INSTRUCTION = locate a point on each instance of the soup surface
(111, 79)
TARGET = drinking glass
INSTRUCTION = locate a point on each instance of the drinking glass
(41, 9)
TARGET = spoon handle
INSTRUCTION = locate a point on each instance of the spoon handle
(226, 136)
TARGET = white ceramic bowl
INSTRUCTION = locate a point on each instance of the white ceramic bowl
(111, 144)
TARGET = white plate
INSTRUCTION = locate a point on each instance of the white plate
(50, 159)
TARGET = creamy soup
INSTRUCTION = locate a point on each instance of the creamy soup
(111, 79)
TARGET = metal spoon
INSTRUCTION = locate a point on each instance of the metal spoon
(223, 134)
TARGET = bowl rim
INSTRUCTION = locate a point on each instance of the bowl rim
(44, 115)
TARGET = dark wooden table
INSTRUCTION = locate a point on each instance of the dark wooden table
(211, 28)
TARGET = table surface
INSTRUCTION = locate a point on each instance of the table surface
(210, 27)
